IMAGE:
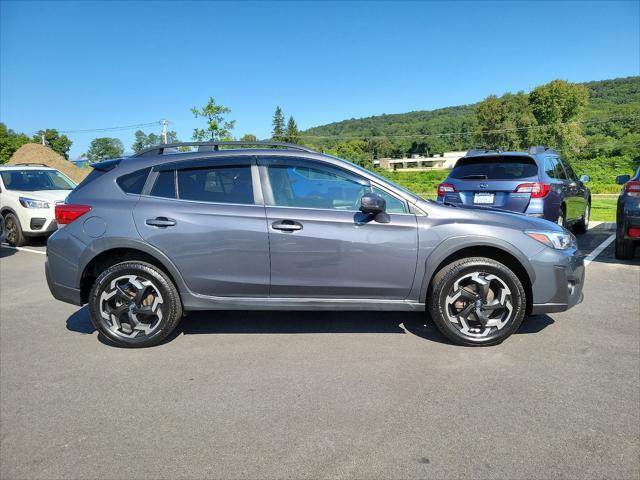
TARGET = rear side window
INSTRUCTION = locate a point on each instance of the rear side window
(133, 182)
(494, 168)
(553, 168)
(165, 185)
(230, 184)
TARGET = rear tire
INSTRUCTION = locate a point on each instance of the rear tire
(477, 301)
(134, 304)
(583, 224)
(13, 231)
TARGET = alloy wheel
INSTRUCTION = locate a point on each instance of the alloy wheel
(479, 304)
(11, 230)
(131, 306)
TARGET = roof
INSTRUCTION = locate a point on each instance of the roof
(25, 167)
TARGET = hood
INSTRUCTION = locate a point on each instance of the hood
(51, 196)
(489, 216)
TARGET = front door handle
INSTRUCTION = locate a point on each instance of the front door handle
(286, 225)
(161, 222)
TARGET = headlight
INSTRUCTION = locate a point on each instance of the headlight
(32, 203)
(557, 240)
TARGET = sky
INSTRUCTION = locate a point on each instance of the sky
(88, 65)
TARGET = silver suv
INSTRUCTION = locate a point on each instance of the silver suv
(281, 227)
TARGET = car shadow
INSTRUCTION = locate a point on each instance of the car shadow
(301, 322)
(7, 251)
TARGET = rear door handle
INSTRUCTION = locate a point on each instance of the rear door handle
(286, 225)
(161, 222)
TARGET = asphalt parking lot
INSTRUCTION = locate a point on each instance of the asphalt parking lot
(321, 395)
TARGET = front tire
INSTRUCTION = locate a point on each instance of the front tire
(13, 231)
(477, 301)
(134, 304)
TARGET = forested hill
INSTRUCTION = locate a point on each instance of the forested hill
(608, 99)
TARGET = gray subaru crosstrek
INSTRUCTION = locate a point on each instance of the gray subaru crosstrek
(281, 227)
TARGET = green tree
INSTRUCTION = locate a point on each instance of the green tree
(356, 151)
(10, 141)
(217, 126)
(558, 106)
(104, 148)
(58, 143)
(277, 134)
(143, 140)
(292, 134)
(506, 122)
(248, 137)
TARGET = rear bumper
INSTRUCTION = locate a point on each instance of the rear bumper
(559, 281)
(630, 221)
(59, 291)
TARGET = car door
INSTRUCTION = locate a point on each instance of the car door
(577, 192)
(207, 216)
(559, 194)
(322, 246)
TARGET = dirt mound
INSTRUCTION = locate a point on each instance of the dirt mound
(36, 153)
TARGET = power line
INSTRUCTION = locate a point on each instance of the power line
(472, 132)
(114, 129)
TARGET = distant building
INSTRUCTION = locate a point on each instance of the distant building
(417, 162)
(80, 162)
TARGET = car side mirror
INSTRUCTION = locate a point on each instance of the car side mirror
(622, 179)
(372, 203)
(584, 178)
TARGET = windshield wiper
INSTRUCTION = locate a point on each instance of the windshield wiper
(474, 177)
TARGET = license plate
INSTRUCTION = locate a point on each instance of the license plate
(484, 198)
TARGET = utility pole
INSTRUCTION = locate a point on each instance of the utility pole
(164, 131)
(42, 136)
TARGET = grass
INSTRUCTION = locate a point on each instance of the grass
(604, 209)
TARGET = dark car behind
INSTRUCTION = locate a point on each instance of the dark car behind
(628, 216)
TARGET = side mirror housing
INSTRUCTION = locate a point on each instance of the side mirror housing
(372, 203)
(622, 179)
(584, 178)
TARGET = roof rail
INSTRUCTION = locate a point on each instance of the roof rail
(26, 164)
(536, 149)
(213, 146)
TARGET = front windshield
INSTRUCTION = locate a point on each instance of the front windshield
(30, 180)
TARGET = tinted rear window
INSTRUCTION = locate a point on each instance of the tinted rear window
(134, 182)
(216, 184)
(494, 168)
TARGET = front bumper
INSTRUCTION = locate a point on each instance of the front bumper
(559, 280)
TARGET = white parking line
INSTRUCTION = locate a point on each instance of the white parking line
(22, 249)
(599, 249)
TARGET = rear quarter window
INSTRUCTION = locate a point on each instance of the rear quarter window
(494, 168)
(134, 182)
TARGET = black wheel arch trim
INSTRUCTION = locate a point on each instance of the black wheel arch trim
(103, 245)
(453, 245)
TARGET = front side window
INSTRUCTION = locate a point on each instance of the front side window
(394, 205)
(225, 184)
(311, 187)
(31, 180)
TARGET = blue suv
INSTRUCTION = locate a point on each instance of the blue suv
(538, 183)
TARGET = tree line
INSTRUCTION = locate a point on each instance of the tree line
(582, 120)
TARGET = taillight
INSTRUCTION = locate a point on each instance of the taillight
(536, 189)
(445, 188)
(67, 213)
(632, 187)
